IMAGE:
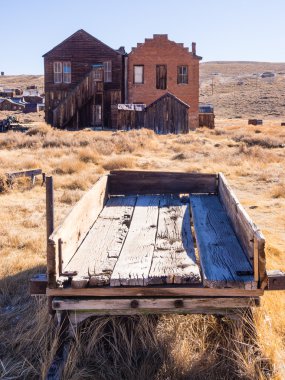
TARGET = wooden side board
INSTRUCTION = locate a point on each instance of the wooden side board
(149, 291)
(65, 240)
(148, 182)
(223, 261)
(250, 237)
(152, 305)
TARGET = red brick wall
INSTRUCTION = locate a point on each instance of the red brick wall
(160, 50)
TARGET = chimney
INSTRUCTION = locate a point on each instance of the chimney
(194, 48)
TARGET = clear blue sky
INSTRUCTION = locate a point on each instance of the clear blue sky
(243, 30)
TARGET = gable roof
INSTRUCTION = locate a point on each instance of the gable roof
(170, 95)
(82, 31)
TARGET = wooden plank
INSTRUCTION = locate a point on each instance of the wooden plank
(51, 255)
(276, 280)
(24, 173)
(174, 255)
(221, 256)
(133, 265)
(163, 291)
(96, 257)
(148, 182)
(155, 304)
(76, 316)
(69, 235)
(244, 228)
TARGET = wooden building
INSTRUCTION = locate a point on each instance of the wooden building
(10, 105)
(167, 114)
(84, 78)
(206, 116)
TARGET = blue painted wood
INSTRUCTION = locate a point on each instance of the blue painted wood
(223, 261)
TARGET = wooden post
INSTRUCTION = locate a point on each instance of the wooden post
(49, 206)
(51, 251)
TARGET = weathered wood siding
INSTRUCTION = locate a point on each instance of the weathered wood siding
(83, 51)
(167, 115)
(207, 120)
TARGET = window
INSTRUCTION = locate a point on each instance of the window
(108, 71)
(57, 72)
(66, 72)
(138, 74)
(62, 72)
(161, 77)
(182, 74)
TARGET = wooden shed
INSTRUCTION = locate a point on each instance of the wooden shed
(9, 105)
(206, 116)
(167, 114)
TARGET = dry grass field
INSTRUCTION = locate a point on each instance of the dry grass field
(166, 347)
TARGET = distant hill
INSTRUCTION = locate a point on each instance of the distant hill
(239, 91)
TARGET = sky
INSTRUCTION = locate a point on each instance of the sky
(224, 30)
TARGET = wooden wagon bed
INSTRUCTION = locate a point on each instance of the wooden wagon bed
(155, 242)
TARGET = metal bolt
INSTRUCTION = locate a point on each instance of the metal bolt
(178, 303)
(134, 304)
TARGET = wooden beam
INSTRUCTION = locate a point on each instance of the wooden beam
(38, 284)
(24, 173)
(51, 253)
(163, 291)
(276, 280)
(148, 182)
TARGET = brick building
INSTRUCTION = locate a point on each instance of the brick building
(158, 66)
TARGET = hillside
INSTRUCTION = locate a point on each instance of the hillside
(239, 92)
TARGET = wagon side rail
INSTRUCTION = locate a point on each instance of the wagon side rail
(64, 241)
(250, 237)
(150, 182)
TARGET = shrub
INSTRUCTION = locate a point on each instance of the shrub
(119, 162)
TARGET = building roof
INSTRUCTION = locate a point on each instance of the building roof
(169, 94)
(82, 31)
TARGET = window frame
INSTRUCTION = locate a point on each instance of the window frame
(66, 76)
(182, 76)
(107, 71)
(134, 74)
(57, 74)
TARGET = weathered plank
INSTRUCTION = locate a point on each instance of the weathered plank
(223, 262)
(174, 255)
(96, 257)
(148, 182)
(244, 228)
(155, 304)
(68, 236)
(133, 265)
(151, 291)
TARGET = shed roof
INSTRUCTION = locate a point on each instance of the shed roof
(82, 31)
(169, 94)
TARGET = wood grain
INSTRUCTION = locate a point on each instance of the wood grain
(96, 257)
(133, 265)
(69, 235)
(151, 303)
(221, 255)
(148, 182)
(244, 228)
(174, 255)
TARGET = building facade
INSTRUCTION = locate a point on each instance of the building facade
(83, 79)
(158, 66)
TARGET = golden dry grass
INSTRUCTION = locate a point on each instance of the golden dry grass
(166, 347)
